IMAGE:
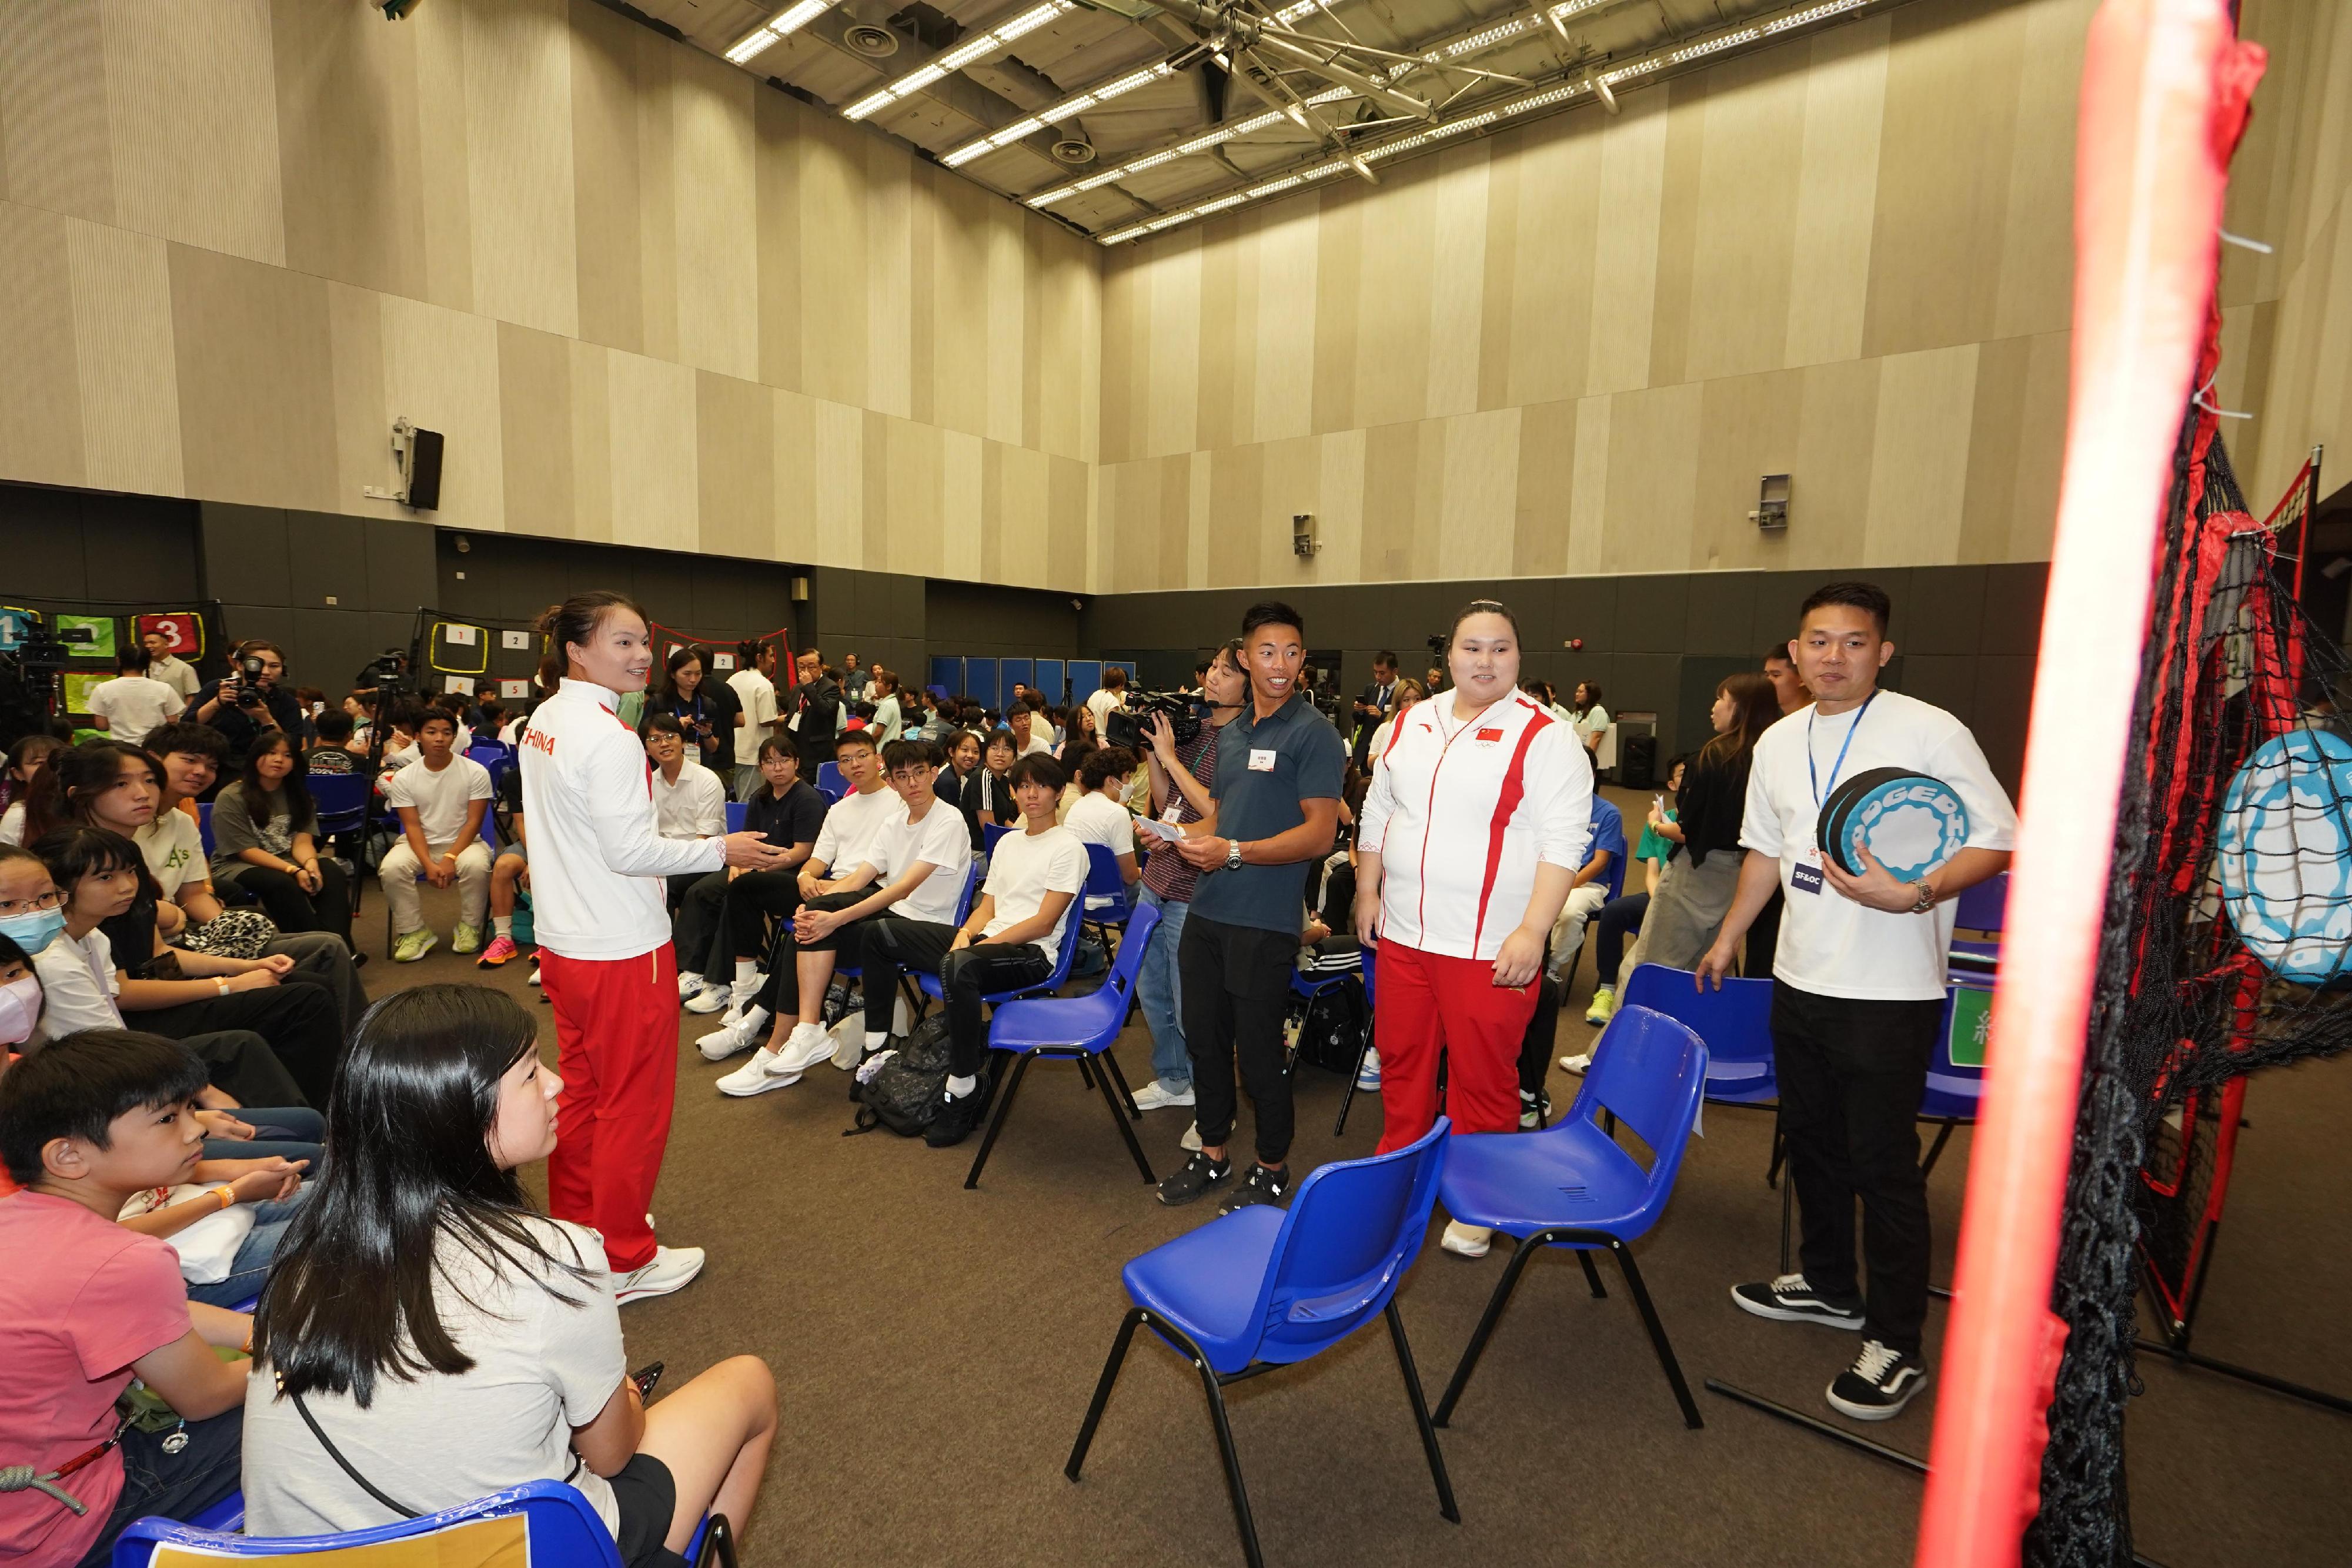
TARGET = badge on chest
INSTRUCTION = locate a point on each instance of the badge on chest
(1261, 759)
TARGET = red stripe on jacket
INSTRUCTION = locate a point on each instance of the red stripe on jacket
(1506, 802)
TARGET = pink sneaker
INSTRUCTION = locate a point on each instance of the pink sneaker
(500, 949)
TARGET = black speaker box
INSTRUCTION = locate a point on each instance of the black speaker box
(1637, 762)
(425, 470)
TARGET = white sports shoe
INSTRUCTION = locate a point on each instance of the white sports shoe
(1155, 1095)
(673, 1269)
(1577, 1064)
(807, 1045)
(757, 1076)
(740, 995)
(534, 975)
(729, 1038)
(687, 984)
(1191, 1138)
(709, 999)
(1466, 1241)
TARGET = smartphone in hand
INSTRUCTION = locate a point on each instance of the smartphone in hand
(645, 1377)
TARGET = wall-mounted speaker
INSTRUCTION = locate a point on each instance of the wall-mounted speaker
(425, 470)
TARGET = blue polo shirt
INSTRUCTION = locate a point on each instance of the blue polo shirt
(1266, 768)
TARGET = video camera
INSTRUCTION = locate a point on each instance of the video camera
(1125, 726)
(386, 675)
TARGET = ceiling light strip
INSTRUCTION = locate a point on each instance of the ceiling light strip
(962, 55)
(1076, 104)
(1223, 133)
(782, 26)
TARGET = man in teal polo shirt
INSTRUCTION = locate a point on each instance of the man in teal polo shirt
(1274, 808)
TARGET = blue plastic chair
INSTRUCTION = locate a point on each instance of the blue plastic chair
(1984, 907)
(1262, 1287)
(204, 827)
(1075, 1029)
(1735, 1023)
(1954, 1092)
(989, 833)
(738, 814)
(1104, 898)
(341, 799)
(1572, 1184)
(560, 1526)
(829, 781)
(928, 983)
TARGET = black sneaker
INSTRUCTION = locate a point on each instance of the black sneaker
(1200, 1174)
(1879, 1384)
(1789, 1300)
(1262, 1186)
(957, 1117)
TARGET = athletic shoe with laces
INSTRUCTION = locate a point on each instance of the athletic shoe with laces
(689, 982)
(1577, 1064)
(500, 949)
(1879, 1384)
(1789, 1300)
(1156, 1093)
(1604, 1005)
(534, 975)
(1368, 1077)
(958, 1116)
(466, 940)
(411, 945)
(1534, 1109)
(807, 1045)
(673, 1269)
(729, 1038)
(1261, 1186)
(710, 998)
(1192, 1182)
(1466, 1241)
(762, 1072)
(1190, 1141)
(741, 994)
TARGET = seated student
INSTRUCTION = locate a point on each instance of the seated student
(1098, 818)
(86, 1125)
(510, 874)
(690, 802)
(465, 1310)
(722, 927)
(440, 803)
(914, 867)
(455, 704)
(492, 714)
(94, 877)
(192, 757)
(26, 758)
(1028, 727)
(1589, 891)
(262, 844)
(398, 747)
(845, 840)
(134, 702)
(334, 753)
(1012, 938)
(1622, 915)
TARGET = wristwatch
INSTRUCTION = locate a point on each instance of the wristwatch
(1233, 854)
(1926, 899)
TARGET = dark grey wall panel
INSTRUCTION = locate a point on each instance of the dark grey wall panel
(399, 563)
(1719, 616)
(1948, 617)
(246, 555)
(2012, 609)
(330, 561)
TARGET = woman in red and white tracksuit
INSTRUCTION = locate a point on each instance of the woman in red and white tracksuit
(1471, 833)
(597, 867)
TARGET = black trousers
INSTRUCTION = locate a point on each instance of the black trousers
(721, 921)
(1543, 1032)
(239, 1062)
(1236, 985)
(208, 1467)
(290, 908)
(893, 946)
(301, 1022)
(1618, 918)
(1851, 1074)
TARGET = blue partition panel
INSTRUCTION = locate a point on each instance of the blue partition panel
(980, 680)
(1127, 664)
(1049, 679)
(1085, 677)
(947, 670)
(1010, 671)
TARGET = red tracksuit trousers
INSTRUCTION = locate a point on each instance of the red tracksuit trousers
(1430, 1003)
(616, 1050)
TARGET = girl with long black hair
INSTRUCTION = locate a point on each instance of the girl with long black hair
(428, 1337)
(265, 842)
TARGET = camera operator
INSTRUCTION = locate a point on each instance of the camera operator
(251, 699)
(1274, 806)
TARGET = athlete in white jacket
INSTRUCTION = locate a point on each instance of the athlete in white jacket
(596, 871)
(1471, 833)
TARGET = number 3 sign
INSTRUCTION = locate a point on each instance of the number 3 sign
(185, 633)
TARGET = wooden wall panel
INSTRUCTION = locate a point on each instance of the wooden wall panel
(122, 330)
(40, 392)
(518, 100)
(53, 110)
(193, 126)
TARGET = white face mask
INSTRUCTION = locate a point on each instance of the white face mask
(20, 1008)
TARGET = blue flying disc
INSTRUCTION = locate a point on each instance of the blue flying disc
(2286, 855)
(1911, 824)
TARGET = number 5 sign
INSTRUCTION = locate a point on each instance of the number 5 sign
(185, 633)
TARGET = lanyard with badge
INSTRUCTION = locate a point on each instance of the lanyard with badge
(1806, 875)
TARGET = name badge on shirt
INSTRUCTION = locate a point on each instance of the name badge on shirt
(1261, 760)
(1805, 876)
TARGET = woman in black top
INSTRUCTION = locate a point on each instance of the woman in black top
(1696, 889)
(721, 929)
(958, 778)
(707, 711)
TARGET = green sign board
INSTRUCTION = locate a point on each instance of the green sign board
(1971, 1025)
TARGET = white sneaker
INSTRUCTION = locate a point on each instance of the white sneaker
(757, 1076)
(673, 1269)
(729, 1038)
(1577, 1064)
(807, 1045)
(740, 995)
(534, 975)
(1466, 1241)
(1368, 1077)
(687, 984)
(710, 998)
(1191, 1138)
(1156, 1093)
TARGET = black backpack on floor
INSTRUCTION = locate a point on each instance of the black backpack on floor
(904, 1093)
(1331, 1031)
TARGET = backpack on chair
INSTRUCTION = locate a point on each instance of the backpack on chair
(903, 1093)
(1331, 1031)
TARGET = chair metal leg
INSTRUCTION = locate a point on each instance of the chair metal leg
(1349, 1098)
(1127, 1328)
(1494, 1303)
(1658, 1334)
(1936, 1150)
(1121, 1108)
(1233, 1482)
(1787, 1225)
(1591, 1274)
(1780, 1159)
(996, 1120)
(1085, 1071)
(1421, 1413)
(1125, 1095)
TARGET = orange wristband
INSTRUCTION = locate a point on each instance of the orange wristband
(227, 1197)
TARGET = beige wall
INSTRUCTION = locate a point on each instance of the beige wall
(646, 299)
(1574, 347)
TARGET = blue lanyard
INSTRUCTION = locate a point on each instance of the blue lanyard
(1837, 767)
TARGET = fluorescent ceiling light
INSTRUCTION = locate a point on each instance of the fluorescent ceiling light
(962, 55)
(782, 25)
(1054, 114)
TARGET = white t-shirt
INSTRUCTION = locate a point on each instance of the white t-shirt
(757, 694)
(133, 704)
(1097, 819)
(12, 824)
(1101, 703)
(940, 838)
(440, 799)
(1038, 742)
(79, 986)
(1023, 869)
(887, 722)
(174, 673)
(850, 826)
(540, 1368)
(1831, 945)
(174, 848)
(693, 808)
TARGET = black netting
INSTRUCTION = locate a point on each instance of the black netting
(2227, 948)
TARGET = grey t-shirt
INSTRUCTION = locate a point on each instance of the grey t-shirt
(540, 1368)
(1266, 768)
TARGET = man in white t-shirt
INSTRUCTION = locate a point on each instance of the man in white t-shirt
(754, 685)
(1026, 741)
(1010, 942)
(690, 802)
(440, 800)
(127, 707)
(1096, 817)
(1111, 694)
(914, 866)
(1858, 988)
(174, 672)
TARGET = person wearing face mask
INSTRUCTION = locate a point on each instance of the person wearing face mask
(20, 996)
(597, 868)
(1473, 831)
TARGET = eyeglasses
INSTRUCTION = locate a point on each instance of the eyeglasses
(50, 900)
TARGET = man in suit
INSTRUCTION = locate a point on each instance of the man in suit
(817, 700)
(1377, 702)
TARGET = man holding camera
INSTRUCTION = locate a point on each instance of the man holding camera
(251, 699)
